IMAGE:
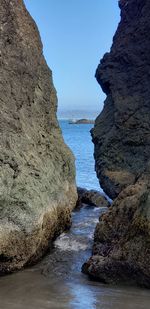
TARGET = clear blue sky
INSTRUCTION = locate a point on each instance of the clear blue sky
(75, 35)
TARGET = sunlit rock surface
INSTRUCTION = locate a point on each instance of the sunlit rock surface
(122, 146)
(37, 176)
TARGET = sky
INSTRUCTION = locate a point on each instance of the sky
(75, 35)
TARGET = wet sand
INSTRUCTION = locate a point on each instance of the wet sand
(57, 282)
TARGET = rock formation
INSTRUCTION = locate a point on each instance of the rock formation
(121, 135)
(91, 198)
(37, 176)
(122, 146)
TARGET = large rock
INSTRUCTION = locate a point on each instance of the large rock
(121, 251)
(91, 198)
(37, 175)
(122, 131)
(122, 146)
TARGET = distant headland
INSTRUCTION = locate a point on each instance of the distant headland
(82, 121)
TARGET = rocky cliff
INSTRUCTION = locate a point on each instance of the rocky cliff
(122, 146)
(37, 176)
(121, 134)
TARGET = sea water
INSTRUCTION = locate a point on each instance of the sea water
(78, 138)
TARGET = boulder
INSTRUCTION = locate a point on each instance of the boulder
(92, 198)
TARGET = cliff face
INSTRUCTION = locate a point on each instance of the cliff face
(37, 176)
(121, 134)
(122, 146)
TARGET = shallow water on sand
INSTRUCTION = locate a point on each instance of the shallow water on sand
(57, 282)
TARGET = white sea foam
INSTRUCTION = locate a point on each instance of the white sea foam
(64, 243)
(101, 209)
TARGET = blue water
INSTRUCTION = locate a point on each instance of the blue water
(78, 138)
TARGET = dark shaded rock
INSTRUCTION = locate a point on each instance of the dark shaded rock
(37, 175)
(121, 251)
(121, 135)
(122, 131)
(91, 197)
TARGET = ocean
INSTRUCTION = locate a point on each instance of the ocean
(78, 138)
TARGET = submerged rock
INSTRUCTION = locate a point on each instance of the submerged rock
(37, 174)
(122, 145)
(91, 197)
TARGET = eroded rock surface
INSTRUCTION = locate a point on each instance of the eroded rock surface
(122, 131)
(37, 176)
(122, 146)
(121, 251)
